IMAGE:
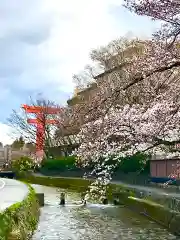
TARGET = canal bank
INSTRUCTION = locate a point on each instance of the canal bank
(19, 210)
(94, 221)
(144, 205)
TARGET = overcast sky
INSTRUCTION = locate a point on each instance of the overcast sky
(44, 42)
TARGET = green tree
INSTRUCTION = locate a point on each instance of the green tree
(23, 164)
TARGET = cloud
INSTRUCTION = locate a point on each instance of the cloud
(6, 134)
(44, 42)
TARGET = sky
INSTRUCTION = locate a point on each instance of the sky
(44, 42)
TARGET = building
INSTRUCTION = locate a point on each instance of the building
(113, 67)
(113, 71)
(163, 167)
(163, 170)
(83, 95)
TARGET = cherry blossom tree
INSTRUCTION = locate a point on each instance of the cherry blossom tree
(150, 124)
(167, 11)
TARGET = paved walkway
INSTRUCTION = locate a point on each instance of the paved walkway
(2, 183)
(11, 191)
(156, 190)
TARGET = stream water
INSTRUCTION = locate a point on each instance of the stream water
(93, 222)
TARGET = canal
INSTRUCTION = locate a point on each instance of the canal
(93, 222)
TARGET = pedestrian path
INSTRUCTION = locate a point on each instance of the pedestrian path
(154, 190)
(2, 184)
(11, 192)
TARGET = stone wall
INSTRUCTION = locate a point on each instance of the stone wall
(152, 210)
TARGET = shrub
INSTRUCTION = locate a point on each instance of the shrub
(139, 162)
(136, 163)
(20, 220)
(59, 164)
(22, 164)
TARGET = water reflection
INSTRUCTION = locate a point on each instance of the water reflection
(94, 221)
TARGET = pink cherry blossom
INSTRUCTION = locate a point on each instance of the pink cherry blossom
(114, 124)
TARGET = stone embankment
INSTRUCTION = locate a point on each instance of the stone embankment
(156, 204)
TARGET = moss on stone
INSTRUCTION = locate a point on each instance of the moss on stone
(20, 220)
(174, 225)
(76, 184)
(153, 210)
(156, 212)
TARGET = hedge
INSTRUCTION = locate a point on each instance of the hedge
(20, 220)
(22, 164)
(137, 163)
(59, 164)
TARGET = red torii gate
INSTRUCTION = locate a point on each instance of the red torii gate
(40, 123)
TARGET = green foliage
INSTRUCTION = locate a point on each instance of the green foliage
(139, 162)
(136, 163)
(20, 220)
(59, 164)
(23, 164)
